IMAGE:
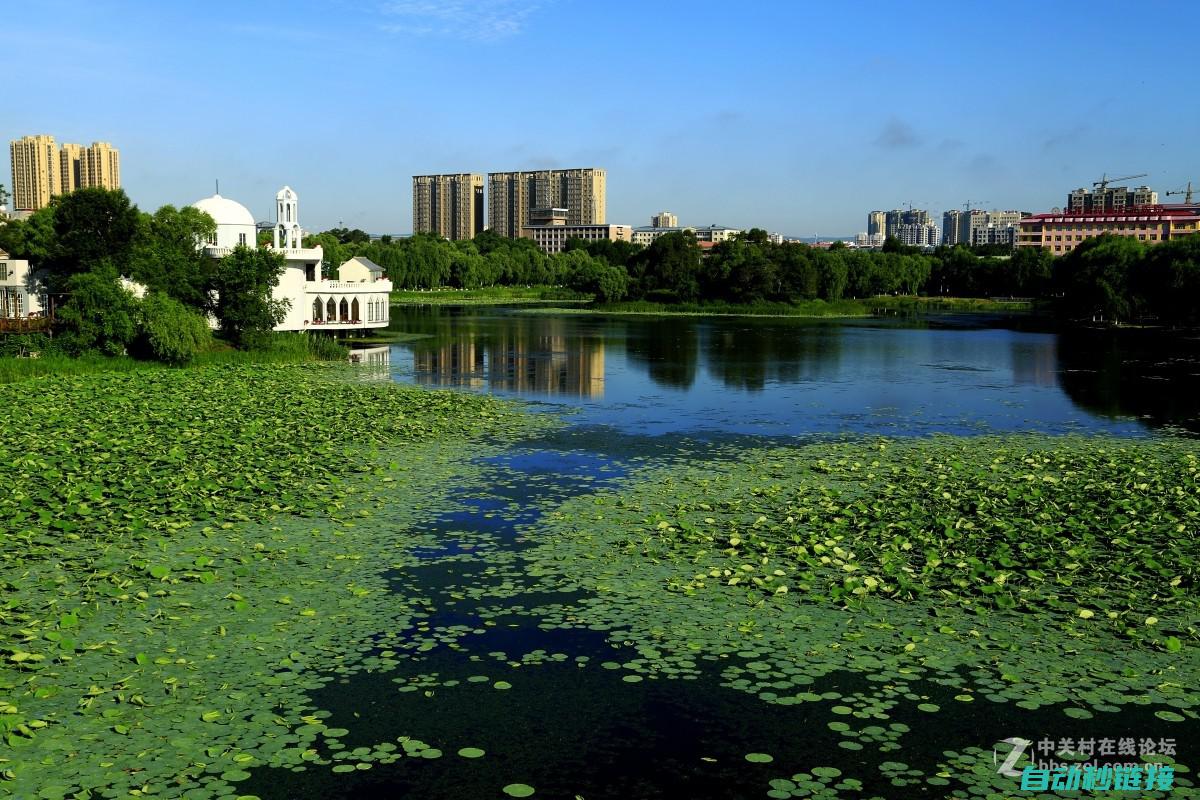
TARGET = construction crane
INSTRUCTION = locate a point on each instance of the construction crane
(1104, 181)
(1187, 193)
(967, 205)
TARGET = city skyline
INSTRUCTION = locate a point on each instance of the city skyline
(788, 125)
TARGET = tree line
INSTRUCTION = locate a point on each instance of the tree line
(91, 245)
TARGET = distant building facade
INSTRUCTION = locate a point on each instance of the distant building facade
(1062, 231)
(715, 233)
(553, 238)
(645, 235)
(888, 222)
(512, 196)
(925, 234)
(869, 240)
(449, 205)
(1113, 198)
(877, 223)
(42, 170)
(664, 219)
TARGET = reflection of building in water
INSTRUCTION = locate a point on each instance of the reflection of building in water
(516, 363)
(1035, 362)
(373, 362)
(450, 364)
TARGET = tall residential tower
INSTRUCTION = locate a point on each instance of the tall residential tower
(448, 205)
(513, 196)
(42, 170)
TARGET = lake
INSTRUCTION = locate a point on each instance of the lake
(576, 689)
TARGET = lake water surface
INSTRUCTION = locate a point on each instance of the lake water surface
(637, 391)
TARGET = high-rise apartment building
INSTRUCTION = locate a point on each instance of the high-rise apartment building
(876, 223)
(42, 170)
(448, 205)
(35, 172)
(950, 222)
(70, 168)
(101, 167)
(924, 234)
(512, 197)
(888, 222)
(664, 219)
(1113, 198)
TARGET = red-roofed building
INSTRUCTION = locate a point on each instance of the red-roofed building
(1062, 231)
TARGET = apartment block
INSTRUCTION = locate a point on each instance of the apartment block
(876, 223)
(513, 196)
(35, 172)
(1113, 198)
(100, 167)
(448, 205)
(70, 168)
(664, 219)
(42, 170)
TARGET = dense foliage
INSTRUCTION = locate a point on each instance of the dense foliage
(170, 331)
(1107, 278)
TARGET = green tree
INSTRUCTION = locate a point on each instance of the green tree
(595, 276)
(243, 281)
(1095, 278)
(99, 314)
(167, 257)
(169, 331)
(32, 238)
(668, 269)
(93, 226)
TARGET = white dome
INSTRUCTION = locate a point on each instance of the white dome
(225, 211)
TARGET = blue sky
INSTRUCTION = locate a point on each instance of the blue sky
(794, 116)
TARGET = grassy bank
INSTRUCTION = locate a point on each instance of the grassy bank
(488, 296)
(807, 308)
(280, 348)
(190, 553)
(817, 309)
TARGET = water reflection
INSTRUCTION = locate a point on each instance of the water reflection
(749, 354)
(1149, 374)
(667, 351)
(526, 359)
(647, 375)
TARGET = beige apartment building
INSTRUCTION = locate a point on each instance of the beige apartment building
(512, 197)
(41, 169)
(35, 172)
(449, 205)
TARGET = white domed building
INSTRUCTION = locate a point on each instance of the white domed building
(357, 299)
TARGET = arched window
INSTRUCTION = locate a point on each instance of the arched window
(317, 309)
(345, 311)
(331, 311)
(354, 310)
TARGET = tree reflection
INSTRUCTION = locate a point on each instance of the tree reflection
(1151, 375)
(667, 348)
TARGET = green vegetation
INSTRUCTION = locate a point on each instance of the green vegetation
(86, 243)
(172, 333)
(489, 295)
(803, 308)
(876, 582)
(278, 348)
(189, 553)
